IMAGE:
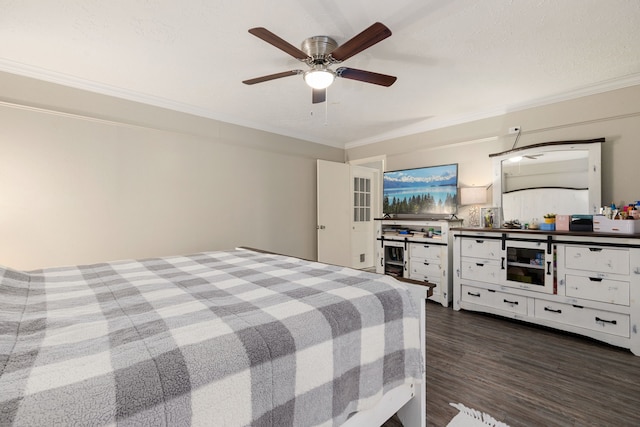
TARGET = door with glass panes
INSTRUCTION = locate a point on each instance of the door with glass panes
(346, 194)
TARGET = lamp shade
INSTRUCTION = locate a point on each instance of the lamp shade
(473, 195)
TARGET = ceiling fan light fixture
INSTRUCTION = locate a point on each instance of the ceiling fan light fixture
(319, 78)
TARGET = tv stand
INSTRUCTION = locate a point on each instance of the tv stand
(418, 249)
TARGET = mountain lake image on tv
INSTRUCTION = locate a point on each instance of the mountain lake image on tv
(429, 190)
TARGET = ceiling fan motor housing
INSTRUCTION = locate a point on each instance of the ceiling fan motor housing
(318, 48)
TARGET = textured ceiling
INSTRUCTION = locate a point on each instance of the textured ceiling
(456, 60)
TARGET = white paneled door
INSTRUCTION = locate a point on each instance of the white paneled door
(334, 220)
(346, 195)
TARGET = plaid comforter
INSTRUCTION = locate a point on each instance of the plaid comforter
(228, 338)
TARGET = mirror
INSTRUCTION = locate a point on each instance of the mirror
(554, 177)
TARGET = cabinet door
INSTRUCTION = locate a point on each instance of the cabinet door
(395, 259)
(530, 266)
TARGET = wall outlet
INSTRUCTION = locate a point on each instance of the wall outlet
(514, 129)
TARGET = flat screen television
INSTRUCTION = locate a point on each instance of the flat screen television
(426, 191)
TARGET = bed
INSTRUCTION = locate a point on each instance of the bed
(225, 338)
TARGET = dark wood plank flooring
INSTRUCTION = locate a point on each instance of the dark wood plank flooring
(525, 375)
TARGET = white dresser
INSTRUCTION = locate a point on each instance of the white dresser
(585, 283)
(419, 250)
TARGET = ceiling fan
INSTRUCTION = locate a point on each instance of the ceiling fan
(320, 52)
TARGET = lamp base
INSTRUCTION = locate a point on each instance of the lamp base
(474, 216)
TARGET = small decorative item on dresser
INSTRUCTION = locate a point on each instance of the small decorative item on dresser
(491, 217)
(549, 222)
(562, 222)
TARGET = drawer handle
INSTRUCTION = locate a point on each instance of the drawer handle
(613, 322)
(425, 246)
(477, 294)
(479, 241)
(595, 279)
(595, 249)
(479, 264)
(510, 302)
(426, 263)
(552, 310)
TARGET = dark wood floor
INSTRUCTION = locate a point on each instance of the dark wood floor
(526, 375)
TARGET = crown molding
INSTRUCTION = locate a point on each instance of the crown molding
(429, 125)
(129, 95)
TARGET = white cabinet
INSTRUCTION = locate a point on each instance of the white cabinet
(418, 250)
(578, 282)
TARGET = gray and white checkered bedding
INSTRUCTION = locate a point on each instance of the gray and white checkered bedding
(229, 338)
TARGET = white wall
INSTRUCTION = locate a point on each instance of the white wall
(614, 115)
(89, 178)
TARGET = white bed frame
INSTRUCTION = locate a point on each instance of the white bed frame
(409, 400)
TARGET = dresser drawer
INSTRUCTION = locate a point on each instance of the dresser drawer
(426, 250)
(597, 289)
(481, 248)
(482, 270)
(425, 274)
(496, 299)
(583, 317)
(598, 259)
(424, 266)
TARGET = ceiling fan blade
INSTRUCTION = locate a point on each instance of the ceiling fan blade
(272, 39)
(319, 95)
(272, 77)
(372, 35)
(366, 76)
